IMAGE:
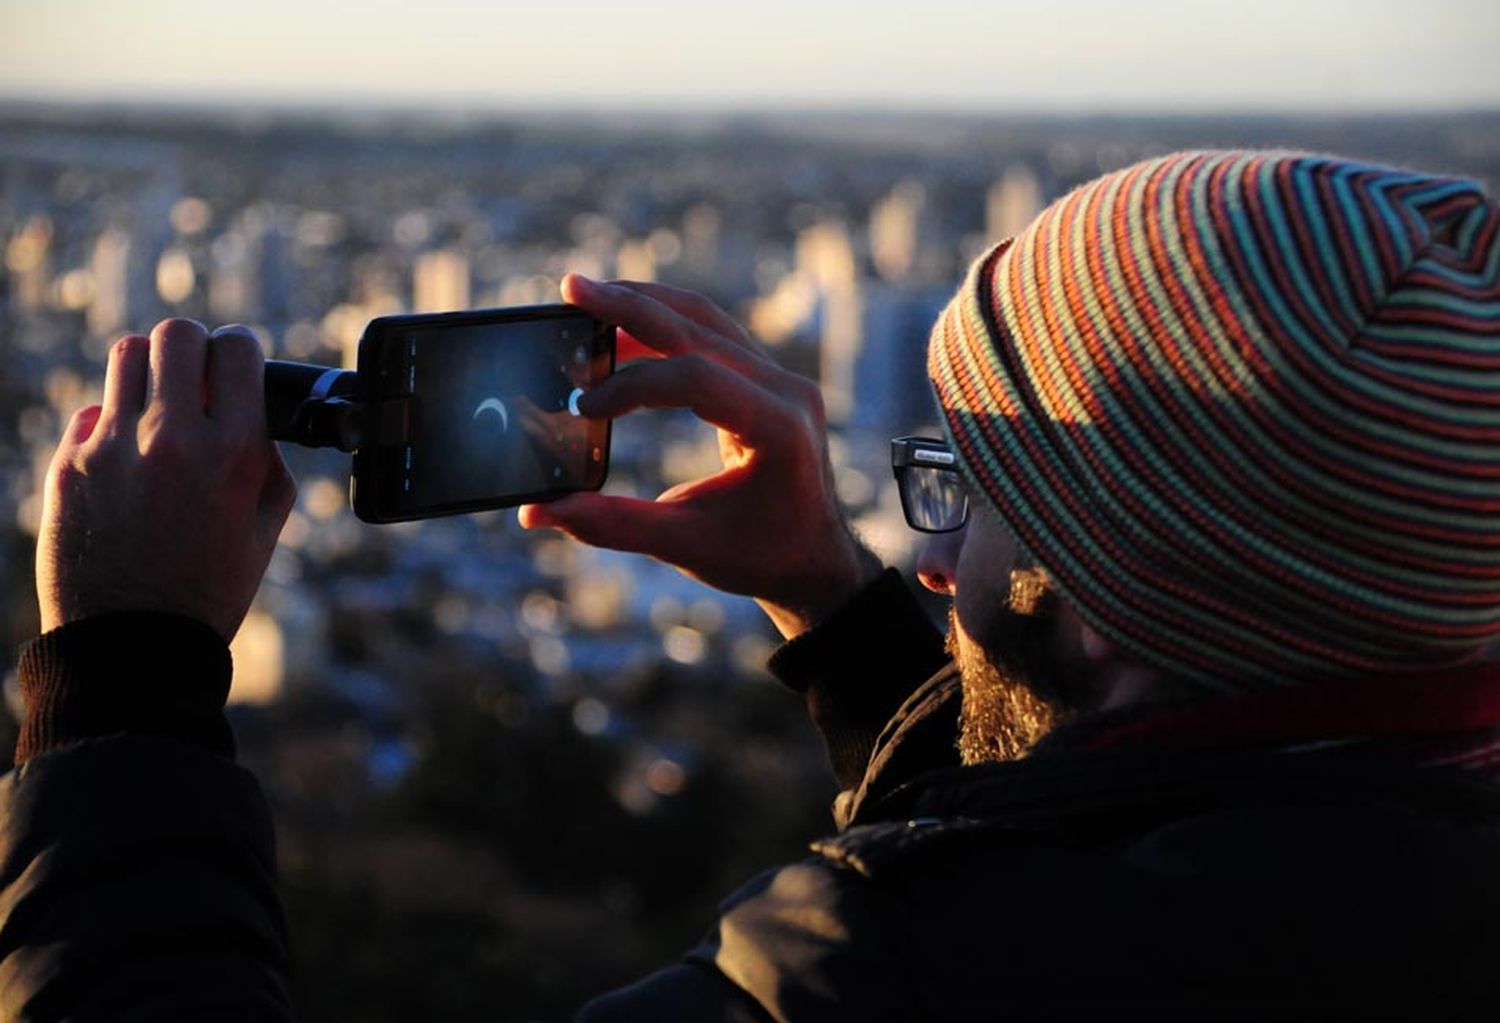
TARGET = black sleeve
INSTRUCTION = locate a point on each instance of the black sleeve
(688, 992)
(137, 861)
(142, 672)
(877, 681)
(857, 667)
(805, 941)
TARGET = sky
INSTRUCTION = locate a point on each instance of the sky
(968, 55)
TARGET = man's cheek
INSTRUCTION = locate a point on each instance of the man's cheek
(982, 612)
(983, 578)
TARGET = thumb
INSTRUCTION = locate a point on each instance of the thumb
(617, 523)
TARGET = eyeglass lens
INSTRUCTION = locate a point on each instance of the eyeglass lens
(934, 499)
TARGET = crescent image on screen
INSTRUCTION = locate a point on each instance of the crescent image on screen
(497, 414)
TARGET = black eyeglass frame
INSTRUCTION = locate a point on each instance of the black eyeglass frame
(912, 453)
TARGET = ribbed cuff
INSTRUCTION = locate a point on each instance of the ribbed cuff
(142, 672)
(859, 665)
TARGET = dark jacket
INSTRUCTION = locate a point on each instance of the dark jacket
(1275, 857)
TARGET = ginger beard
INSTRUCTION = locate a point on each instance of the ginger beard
(1012, 684)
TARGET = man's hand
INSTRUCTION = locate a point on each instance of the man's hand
(769, 524)
(169, 496)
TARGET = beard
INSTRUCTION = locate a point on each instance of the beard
(1013, 695)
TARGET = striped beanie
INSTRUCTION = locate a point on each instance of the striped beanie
(1244, 407)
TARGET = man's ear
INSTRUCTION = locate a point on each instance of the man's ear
(1096, 646)
(1123, 679)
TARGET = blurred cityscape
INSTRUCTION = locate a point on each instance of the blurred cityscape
(510, 771)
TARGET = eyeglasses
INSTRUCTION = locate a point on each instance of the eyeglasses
(934, 497)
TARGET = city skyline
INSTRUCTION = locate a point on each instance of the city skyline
(1069, 55)
(407, 693)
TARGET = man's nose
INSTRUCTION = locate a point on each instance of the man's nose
(937, 560)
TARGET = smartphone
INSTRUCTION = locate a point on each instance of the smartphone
(477, 410)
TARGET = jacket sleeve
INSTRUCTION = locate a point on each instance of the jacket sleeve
(807, 941)
(859, 668)
(880, 687)
(137, 862)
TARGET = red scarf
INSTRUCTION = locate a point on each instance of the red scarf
(1452, 715)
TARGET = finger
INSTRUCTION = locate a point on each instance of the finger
(629, 348)
(653, 323)
(75, 435)
(236, 379)
(80, 427)
(178, 352)
(714, 393)
(617, 523)
(692, 305)
(127, 377)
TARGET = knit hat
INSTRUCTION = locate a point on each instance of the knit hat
(1244, 407)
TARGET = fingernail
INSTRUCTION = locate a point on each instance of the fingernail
(232, 328)
(529, 516)
(176, 323)
(598, 286)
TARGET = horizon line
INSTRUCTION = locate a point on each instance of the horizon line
(453, 107)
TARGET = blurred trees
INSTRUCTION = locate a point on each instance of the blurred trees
(520, 865)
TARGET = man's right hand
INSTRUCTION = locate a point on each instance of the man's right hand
(169, 496)
(769, 524)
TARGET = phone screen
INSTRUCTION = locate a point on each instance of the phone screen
(491, 417)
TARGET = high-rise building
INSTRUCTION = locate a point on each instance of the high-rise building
(890, 388)
(636, 261)
(895, 230)
(701, 234)
(109, 264)
(1013, 202)
(826, 256)
(232, 289)
(440, 281)
(176, 277)
(259, 652)
(28, 261)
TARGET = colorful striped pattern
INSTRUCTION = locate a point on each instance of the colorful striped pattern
(1245, 408)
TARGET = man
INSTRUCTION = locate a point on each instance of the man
(1214, 740)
